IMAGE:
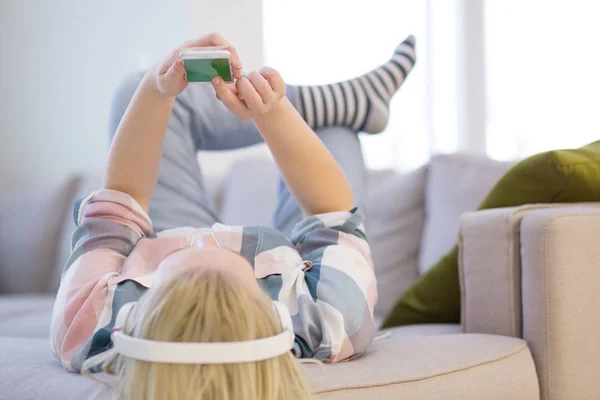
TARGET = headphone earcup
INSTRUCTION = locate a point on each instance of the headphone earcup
(124, 312)
(284, 317)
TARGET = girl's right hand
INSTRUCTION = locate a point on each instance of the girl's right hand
(170, 74)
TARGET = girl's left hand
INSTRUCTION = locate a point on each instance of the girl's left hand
(170, 75)
(252, 96)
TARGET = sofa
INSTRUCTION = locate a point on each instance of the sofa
(529, 277)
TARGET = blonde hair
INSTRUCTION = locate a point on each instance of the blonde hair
(204, 306)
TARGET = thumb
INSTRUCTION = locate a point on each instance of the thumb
(175, 72)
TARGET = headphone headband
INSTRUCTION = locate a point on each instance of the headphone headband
(204, 352)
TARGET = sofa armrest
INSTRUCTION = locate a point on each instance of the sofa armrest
(560, 263)
(490, 271)
(534, 271)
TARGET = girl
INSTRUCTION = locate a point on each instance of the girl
(210, 283)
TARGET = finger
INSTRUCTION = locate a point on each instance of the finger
(262, 87)
(168, 62)
(236, 64)
(232, 87)
(175, 72)
(275, 80)
(229, 98)
(250, 95)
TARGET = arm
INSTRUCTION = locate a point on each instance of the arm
(134, 156)
(111, 223)
(109, 226)
(309, 170)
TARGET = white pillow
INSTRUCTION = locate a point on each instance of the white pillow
(395, 216)
(456, 183)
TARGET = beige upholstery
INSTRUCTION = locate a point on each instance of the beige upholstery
(32, 219)
(455, 183)
(538, 269)
(491, 279)
(394, 229)
(560, 252)
(26, 315)
(436, 367)
(403, 366)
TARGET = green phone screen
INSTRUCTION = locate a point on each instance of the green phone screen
(206, 70)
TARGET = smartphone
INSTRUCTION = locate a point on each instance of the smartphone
(202, 65)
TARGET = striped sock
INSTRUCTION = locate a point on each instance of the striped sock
(361, 104)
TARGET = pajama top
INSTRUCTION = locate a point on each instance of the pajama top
(323, 274)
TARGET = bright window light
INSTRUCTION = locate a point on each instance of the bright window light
(323, 41)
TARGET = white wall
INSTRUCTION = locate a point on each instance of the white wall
(241, 23)
(61, 60)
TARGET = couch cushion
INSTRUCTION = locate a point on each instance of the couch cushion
(456, 183)
(401, 366)
(242, 203)
(26, 316)
(30, 372)
(435, 367)
(30, 228)
(395, 215)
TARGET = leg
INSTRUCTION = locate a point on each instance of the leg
(198, 122)
(361, 104)
(345, 147)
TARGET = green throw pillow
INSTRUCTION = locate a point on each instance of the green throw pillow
(562, 176)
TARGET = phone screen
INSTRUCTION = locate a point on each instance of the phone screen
(205, 70)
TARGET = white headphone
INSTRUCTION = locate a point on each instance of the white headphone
(206, 352)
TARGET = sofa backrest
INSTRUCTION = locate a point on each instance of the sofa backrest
(31, 222)
(456, 183)
(412, 218)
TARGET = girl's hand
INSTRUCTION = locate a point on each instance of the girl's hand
(170, 76)
(251, 96)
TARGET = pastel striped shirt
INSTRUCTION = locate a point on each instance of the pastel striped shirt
(323, 274)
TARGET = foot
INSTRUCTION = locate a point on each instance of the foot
(361, 104)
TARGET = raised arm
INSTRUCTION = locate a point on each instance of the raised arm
(309, 170)
(134, 156)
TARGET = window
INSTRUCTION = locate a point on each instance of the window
(506, 78)
(317, 41)
(543, 82)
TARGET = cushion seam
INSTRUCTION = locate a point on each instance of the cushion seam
(424, 377)
(510, 247)
(462, 281)
(545, 311)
